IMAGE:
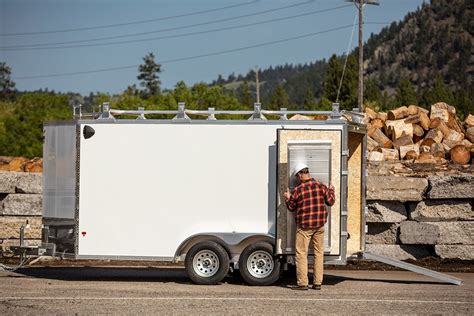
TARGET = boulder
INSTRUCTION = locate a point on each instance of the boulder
(441, 210)
(400, 252)
(20, 182)
(455, 233)
(463, 252)
(10, 227)
(21, 204)
(394, 188)
(451, 187)
(386, 212)
(382, 233)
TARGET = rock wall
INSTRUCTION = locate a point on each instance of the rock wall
(411, 218)
(20, 203)
(408, 217)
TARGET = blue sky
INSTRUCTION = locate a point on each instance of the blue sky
(100, 19)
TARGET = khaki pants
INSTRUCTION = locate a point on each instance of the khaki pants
(303, 238)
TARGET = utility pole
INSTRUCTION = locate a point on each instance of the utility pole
(257, 84)
(360, 6)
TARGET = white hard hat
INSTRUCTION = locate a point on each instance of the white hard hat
(298, 167)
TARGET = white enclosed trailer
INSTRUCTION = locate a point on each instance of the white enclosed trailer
(206, 192)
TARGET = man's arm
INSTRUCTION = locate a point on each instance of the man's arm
(329, 195)
(291, 200)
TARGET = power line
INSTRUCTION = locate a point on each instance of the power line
(185, 34)
(160, 30)
(189, 57)
(131, 23)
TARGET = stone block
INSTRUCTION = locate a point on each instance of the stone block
(455, 233)
(20, 182)
(400, 252)
(386, 212)
(6, 243)
(21, 204)
(412, 233)
(463, 252)
(382, 233)
(392, 188)
(10, 227)
(437, 233)
(441, 210)
(451, 187)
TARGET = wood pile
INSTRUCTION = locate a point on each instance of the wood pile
(420, 135)
(21, 164)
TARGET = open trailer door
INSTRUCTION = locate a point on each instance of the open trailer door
(323, 149)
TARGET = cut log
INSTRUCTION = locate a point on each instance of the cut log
(389, 154)
(372, 144)
(382, 116)
(371, 114)
(411, 155)
(398, 113)
(455, 124)
(380, 138)
(437, 150)
(435, 134)
(466, 143)
(469, 121)
(460, 154)
(405, 149)
(398, 128)
(413, 119)
(413, 110)
(454, 136)
(441, 110)
(375, 156)
(17, 164)
(376, 123)
(441, 126)
(402, 141)
(470, 134)
(418, 132)
(425, 121)
(425, 158)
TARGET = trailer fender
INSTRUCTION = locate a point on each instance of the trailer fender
(233, 243)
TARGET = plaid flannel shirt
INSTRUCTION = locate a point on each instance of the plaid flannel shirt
(309, 200)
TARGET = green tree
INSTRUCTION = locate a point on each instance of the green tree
(7, 85)
(332, 81)
(438, 93)
(309, 102)
(149, 71)
(24, 136)
(406, 94)
(244, 96)
(372, 91)
(279, 99)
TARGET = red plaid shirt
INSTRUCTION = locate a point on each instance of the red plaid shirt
(309, 200)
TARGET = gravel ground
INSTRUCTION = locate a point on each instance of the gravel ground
(166, 290)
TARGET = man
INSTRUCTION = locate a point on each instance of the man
(309, 200)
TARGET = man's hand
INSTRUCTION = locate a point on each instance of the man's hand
(331, 187)
(287, 194)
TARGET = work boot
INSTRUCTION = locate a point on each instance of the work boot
(298, 287)
(316, 287)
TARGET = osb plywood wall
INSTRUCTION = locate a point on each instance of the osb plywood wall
(354, 193)
(283, 175)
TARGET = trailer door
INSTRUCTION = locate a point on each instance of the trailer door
(321, 150)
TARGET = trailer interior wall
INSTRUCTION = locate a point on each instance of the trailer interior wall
(356, 194)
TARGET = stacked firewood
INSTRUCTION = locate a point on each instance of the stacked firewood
(420, 135)
(21, 164)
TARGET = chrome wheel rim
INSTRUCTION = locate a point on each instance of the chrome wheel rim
(206, 263)
(260, 264)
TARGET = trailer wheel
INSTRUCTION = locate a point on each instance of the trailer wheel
(257, 265)
(207, 263)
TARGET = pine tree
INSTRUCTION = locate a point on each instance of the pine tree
(406, 93)
(309, 102)
(279, 99)
(244, 96)
(149, 71)
(332, 80)
(7, 86)
(438, 93)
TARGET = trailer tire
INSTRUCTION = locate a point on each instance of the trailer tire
(257, 265)
(207, 263)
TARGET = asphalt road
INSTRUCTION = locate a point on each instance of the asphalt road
(89, 290)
